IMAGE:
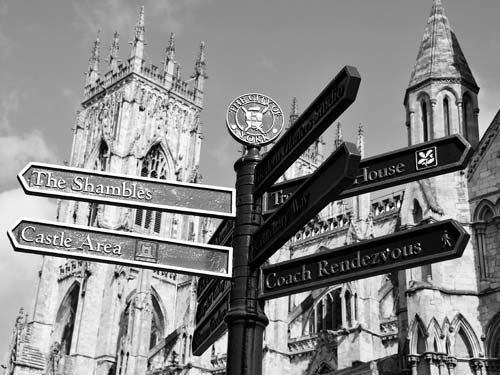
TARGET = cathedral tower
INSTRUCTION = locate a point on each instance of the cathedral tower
(91, 318)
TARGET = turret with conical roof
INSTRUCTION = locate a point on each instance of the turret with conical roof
(441, 97)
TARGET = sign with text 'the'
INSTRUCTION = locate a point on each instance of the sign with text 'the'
(125, 190)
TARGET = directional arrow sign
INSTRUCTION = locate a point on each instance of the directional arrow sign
(328, 106)
(210, 329)
(124, 190)
(337, 172)
(444, 155)
(406, 249)
(212, 296)
(102, 245)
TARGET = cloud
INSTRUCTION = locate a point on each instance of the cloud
(16, 150)
(18, 271)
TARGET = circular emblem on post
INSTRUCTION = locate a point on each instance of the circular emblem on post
(254, 119)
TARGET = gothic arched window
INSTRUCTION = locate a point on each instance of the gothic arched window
(467, 112)
(425, 122)
(326, 313)
(100, 164)
(154, 165)
(446, 116)
(417, 212)
(65, 319)
(157, 326)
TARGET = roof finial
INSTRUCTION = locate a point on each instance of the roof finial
(437, 8)
(139, 28)
(177, 73)
(113, 52)
(360, 142)
(294, 112)
(138, 42)
(338, 136)
(93, 70)
(170, 51)
(200, 65)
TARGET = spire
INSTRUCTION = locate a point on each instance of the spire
(137, 52)
(113, 53)
(169, 61)
(200, 74)
(93, 70)
(338, 136)
(294, 112)
(200, 65)
(440, 55)
(360, 141)
(170, 51)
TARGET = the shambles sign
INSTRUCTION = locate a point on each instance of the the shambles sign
(125, 190)
(410, 248)
(102, 245)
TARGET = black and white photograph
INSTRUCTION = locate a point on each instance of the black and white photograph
(217, 187)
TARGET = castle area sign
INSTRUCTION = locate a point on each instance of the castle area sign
(424, 160)
(102, 245)
(125, 190)
(335, 98)
(401, 250)
(319, 189)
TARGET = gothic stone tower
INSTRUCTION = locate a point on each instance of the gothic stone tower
(438, 303)
(91, 318)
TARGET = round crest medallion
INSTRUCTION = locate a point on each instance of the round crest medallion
(254, 119)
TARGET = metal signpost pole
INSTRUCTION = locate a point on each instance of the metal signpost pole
(245, 320)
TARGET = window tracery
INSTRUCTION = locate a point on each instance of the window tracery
(154, 165)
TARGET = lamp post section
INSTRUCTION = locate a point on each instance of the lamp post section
(245, 320)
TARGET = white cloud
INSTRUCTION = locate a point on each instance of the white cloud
(18, 271)
(16, 150)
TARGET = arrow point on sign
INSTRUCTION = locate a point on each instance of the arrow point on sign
(23, 180)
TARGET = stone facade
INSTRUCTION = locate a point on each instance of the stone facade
(441, 319)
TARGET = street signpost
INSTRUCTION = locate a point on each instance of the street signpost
(320, 188)
(233, 287)
(124, 190)
(424, 160)
(421, 245)
(211, 328)
(212, 297)
(130, 249)
(335, 98)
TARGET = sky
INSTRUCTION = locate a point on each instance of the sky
(281, 48)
